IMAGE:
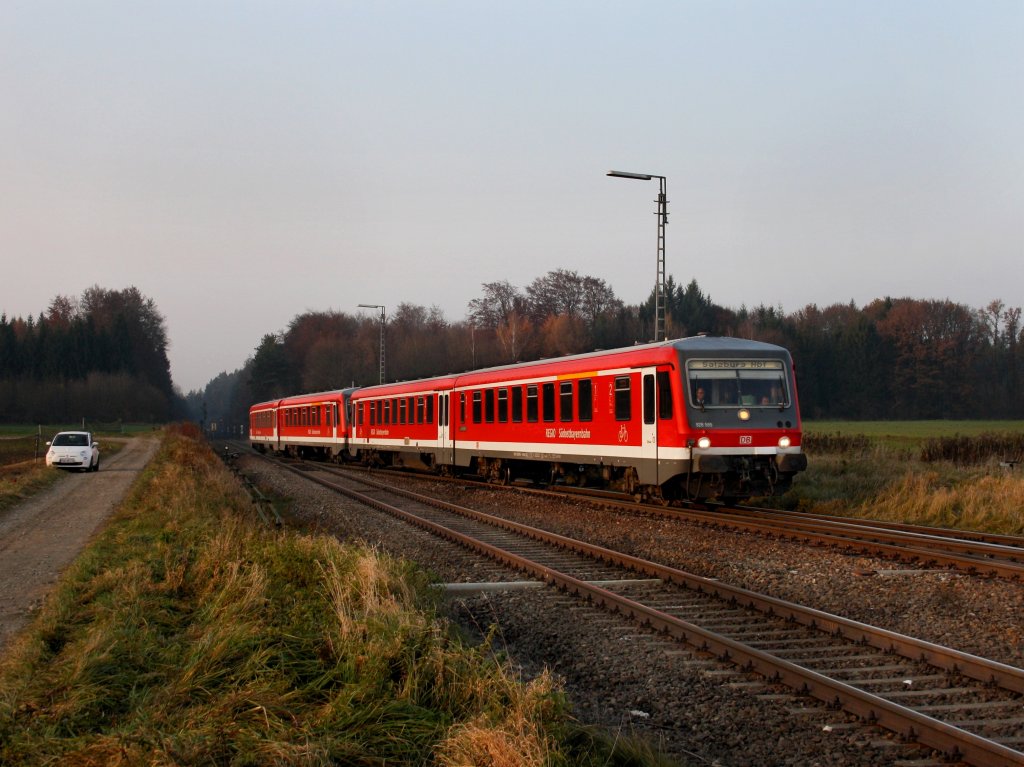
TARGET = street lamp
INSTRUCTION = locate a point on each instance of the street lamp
(662, 213)
(383, 320)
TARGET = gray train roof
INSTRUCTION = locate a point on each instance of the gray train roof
(689, 346)
(693, 345)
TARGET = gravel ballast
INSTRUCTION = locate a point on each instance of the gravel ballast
(625, 678)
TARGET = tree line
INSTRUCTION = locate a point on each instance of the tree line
(899, 358)
(102, 357)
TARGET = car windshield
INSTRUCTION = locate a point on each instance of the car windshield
(71, 440)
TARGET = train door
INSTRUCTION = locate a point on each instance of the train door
(444, 434)
(649, 428)
(278, 423)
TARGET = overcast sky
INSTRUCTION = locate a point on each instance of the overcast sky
(243, 162)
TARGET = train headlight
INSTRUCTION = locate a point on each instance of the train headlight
(784, 441)
(704, 442)
(744, 414)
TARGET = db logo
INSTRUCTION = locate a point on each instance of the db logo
(746, 440)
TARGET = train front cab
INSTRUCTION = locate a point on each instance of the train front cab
(743, 430)
(263, 434)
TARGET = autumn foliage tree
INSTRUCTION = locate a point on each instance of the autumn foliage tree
(898, 358)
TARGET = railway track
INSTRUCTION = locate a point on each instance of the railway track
(961, 705)
(975, 553)
(996, 556)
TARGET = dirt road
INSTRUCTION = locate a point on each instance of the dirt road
(42, 536)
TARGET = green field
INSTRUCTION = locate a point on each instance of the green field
(48, 430)
(20, 443)
(912, 430)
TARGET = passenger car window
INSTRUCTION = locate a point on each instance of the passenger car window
(565, 401)
(586, 399)
(623, 399)
(548, 402)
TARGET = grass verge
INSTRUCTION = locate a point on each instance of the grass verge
(22, 480)
(887, 471)
(189, 634)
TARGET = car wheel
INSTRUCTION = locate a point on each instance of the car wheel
(97, 466)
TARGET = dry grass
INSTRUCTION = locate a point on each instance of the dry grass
(992, 502)
(21, 481)
(512, 737)
(189, 634)
(942, 481)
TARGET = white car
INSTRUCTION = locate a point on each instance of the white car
(74, 450)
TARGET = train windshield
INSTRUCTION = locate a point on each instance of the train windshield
(723, 383)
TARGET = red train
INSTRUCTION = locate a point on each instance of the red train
(694, 418)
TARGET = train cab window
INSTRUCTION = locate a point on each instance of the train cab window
(623, 399)
(585, 391)
(548, 401)
(360, 415)
(728, 383)
(502, 405)
(489, 405)
(565, 401)
(478, 407)
(430, 409)
(531, 403)
(648, 399)
(517, 404)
